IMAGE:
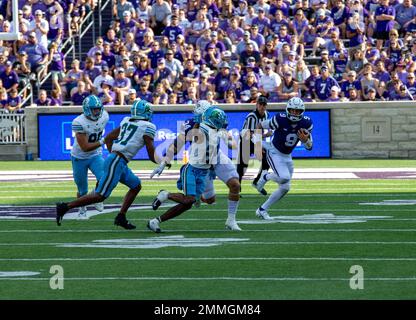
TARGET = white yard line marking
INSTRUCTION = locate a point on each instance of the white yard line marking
(209, 259)
(206, 230)
(208, 279)
(34, 244)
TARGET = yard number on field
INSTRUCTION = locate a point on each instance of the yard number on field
(57, 280)
(357, 280)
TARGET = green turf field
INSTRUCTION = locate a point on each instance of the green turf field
(324, 228)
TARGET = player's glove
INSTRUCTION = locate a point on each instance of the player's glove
(160, 169)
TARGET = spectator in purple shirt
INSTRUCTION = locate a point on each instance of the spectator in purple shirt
(190, 74)
(37, 54)
(219, 45)
(351, 82)
(127, 24)
(79, 94)
(14, 102)
(262, 21)
(384, 16)
(324, 84)
(161, 72)
(98, 47)
(57, 65)
(222, 80)
(108, 56)
(234, 32)
(173, 30)
(121, 85)
(90, 72)
(155, 54)
(43, 99)
(143, 92)
(9, 77)
(257, 37)
(277, 22)
(411, 84)
(382, 75)
(340, 13)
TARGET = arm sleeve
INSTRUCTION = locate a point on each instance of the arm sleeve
(77, 127)
(150, 131)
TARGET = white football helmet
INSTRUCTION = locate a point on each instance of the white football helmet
(201, 106)
(295, 103)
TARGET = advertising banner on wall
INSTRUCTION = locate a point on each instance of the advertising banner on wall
(56, 137)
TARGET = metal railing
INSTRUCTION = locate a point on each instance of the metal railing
(12, 128)
(86, 24)
(101, 8)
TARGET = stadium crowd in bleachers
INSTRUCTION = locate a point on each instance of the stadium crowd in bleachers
(224, 51)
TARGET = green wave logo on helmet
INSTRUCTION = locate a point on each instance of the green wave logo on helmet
(215, 118)
(89, 104)
(141, 110)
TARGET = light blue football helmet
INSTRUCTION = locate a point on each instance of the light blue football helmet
(215, 118)
(89, 104)
(141, 110)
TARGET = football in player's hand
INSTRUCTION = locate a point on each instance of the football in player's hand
(303, 134)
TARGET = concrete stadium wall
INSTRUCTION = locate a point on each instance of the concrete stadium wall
(358, 130)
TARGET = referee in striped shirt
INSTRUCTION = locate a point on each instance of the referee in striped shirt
(250, 123)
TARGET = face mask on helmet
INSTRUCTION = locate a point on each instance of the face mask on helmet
(200, 107)
(295, 109)
(141, 110)
(92, 107)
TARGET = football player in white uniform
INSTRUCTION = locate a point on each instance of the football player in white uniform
(289, 127)
(86, 152)
(203, 153)
(223, 168)
(134, 133)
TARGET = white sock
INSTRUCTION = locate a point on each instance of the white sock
(232, 209)
(274, 197)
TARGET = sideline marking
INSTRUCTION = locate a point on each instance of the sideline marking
(209, 279)
(209, 259)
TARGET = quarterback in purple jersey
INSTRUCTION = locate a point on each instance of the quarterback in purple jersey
(289, 128)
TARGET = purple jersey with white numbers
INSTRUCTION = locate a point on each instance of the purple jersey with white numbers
(285, 136)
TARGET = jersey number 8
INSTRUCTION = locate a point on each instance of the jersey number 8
(94, 137)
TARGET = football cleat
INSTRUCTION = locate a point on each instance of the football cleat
(154, 225)
(232, 225)
(161, 197)
(82, 213)
(121, 221)
(61, 209)
(261, 183)
(262, 191)
(99, 206)
(263, 214)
